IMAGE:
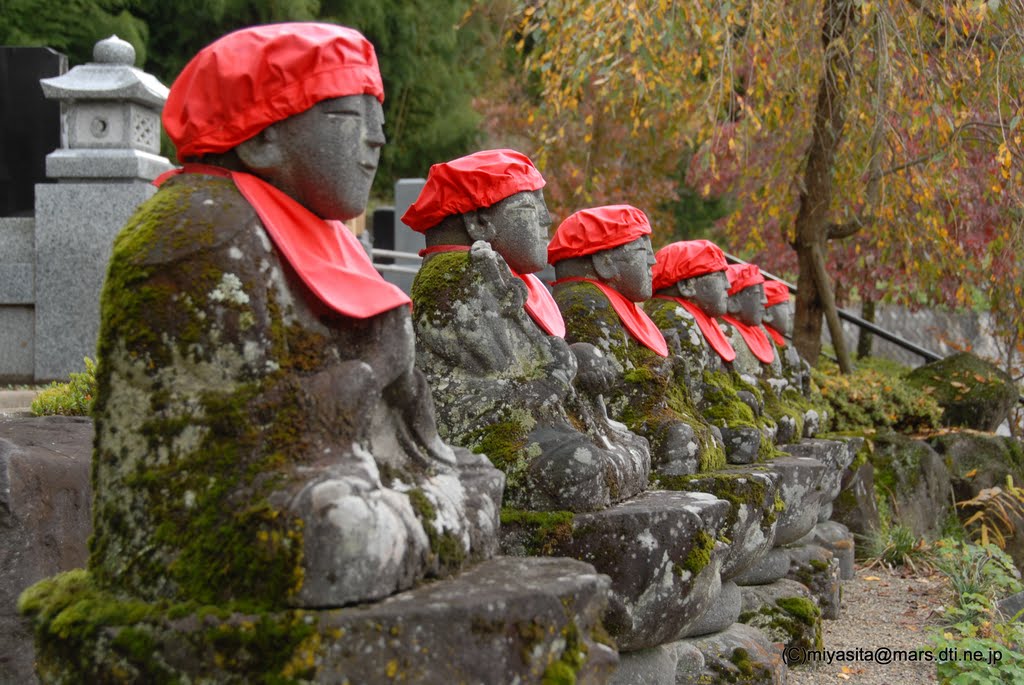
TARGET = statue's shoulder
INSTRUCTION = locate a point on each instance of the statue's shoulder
(668, 313)
(190, 213)
(583, 298)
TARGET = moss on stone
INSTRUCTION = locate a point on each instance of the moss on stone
(700, 554)
(443, 280)
(548, 531)
(801, 608)
(739, 489)
(969, 388)
(565, 669)
(444, 546)
(897, 462)
(73, 616)
(506, 443)
(794, 621)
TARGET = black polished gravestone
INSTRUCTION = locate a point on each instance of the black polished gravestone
(29, 124)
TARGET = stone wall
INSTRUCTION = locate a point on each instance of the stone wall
(939, 330)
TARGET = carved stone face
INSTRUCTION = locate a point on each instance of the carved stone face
(780, 316)
(748, 305)
(708, 291)
(627, 268)
(329, 155)
(517, 228)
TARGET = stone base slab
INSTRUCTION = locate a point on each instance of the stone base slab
(505, 620)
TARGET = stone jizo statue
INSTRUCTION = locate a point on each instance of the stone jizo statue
(692, 289)
(603, 259)
(778, 323)
(262, 434)
(742, 322)
(489, 339)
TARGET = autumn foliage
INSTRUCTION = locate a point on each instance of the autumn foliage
(924, 202)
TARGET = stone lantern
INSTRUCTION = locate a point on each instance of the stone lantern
(110, 151)
(110, 118)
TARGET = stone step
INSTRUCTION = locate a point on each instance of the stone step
(16, 402)
(505, 620)
(659, 549)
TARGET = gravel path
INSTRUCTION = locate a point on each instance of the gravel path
(880, 609)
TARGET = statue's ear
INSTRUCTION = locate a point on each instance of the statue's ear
(605, 265)
(262, 153)
(734, 305)
(478, 225)
(686, 288)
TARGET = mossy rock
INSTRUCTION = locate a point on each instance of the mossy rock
(793, 621)
(915, 479)
(972, 392)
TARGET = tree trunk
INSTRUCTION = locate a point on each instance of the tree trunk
(864, 340)
(813, 218)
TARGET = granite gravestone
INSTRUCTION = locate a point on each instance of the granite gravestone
(29, 124)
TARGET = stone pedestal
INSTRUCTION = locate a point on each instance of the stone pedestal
(836, 538)
(658, 548)
(504, 620)
(815, 568)
(738, 654)
(785, 611)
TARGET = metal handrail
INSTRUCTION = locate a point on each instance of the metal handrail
(856, 320)
(378, 252)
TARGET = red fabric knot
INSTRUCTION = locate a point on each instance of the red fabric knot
(779, 339)
(708, 327)
(325, 254)
(635, 320)
(756, 339)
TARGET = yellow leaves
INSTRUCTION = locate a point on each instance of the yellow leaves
(1005, 159)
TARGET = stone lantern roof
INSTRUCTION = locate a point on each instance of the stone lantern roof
(110, 125)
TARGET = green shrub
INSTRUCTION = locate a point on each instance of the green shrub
(978, 575)
(874, 397)
(73, 398)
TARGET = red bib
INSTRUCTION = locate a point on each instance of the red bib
(776, 336)
(708, 326)
(539, 304)
(632, 317)
(325, 254)
(756, 339)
